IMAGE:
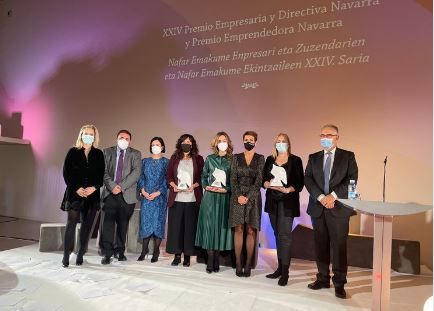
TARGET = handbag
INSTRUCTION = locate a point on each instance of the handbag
(65, 205)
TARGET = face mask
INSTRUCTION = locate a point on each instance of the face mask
(87, 139)
(186, 148)
(281, 147)
(156, 149)
(326, 143)
(123, 144)
(223, 146)
(249, 146)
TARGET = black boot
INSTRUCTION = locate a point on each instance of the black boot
(210, 261)
(65, 260)
(177, 260)
(186, 262)
(276, 273)
(285, 275)
(79, 260)
(216, 266)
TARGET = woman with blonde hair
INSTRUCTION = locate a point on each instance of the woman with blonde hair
(213, 231)
(83, 172)
(284, 180)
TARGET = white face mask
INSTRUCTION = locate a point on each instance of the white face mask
(156, 149)
(123, 144)
(223, 146)
(282, 147)
(87, 139)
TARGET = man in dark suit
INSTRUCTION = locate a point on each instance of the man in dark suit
(328, 173)
(122, 171)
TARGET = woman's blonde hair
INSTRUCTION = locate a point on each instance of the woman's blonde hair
(79, 142)
(274, 152)
(215, 142)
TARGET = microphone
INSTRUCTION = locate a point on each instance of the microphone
(384, 180)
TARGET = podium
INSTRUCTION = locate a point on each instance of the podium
(383, 213)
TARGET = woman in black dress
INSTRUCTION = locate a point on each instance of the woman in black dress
(246, 205)
(83, 172)
(284, 180)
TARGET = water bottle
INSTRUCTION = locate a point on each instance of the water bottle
(352, 190)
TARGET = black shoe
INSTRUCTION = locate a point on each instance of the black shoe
(340, 292)
(116, 255)
(275, 274)
(155, 257)
(176, 261)
(247, 271)
(106, 260)
(65, 261)
(318, 285)
(141, 257)
(186, 262)
(283, 280)
(79, 260)
(239, 272)
(122, 257)
(208, 270)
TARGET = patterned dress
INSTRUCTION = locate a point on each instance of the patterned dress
(246, 180)
(153, 213)
(213, 230)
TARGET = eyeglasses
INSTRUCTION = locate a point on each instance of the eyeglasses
(327, 135)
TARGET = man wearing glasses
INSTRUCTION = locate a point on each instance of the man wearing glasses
(328, 173)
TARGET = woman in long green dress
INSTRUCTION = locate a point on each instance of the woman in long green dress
(213, 230)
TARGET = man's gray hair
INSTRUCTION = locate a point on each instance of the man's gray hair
(332, 126)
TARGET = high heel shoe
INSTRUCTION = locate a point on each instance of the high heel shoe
(155, 257)
(239, 271)
(143, 254)
(247, 271)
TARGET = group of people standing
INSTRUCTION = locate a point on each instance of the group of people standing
(213, 205)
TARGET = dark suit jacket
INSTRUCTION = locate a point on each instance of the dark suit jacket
(172, 175)
(344, 169)
(131, 170)
(79, 172)
(295, 178)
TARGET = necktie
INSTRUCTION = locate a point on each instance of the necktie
(118, 178)
(327, 170)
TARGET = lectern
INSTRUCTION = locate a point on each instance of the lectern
(383, 213)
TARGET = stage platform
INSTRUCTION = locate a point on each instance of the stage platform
(30, 280)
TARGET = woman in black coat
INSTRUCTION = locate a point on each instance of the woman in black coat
(83, 172)
(284, 180)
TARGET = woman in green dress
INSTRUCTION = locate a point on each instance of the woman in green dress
(213, 231)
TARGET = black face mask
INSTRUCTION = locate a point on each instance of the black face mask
(186, 148)
(249, 146)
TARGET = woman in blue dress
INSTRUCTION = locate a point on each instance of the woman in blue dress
(153, 191)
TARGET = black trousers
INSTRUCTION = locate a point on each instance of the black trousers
(331, 233)
(119, 212)
(181, 228)
(83, 212)
(282, 227)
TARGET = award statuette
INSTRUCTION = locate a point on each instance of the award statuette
(279, 179)
(184, 180)
(220, 178)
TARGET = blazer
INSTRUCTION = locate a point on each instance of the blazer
(172, 175)
(81, 172)
(344, 169)
(295, 178)
(130, 173)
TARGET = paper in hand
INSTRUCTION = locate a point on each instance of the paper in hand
(220, 178)
(279, 174)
